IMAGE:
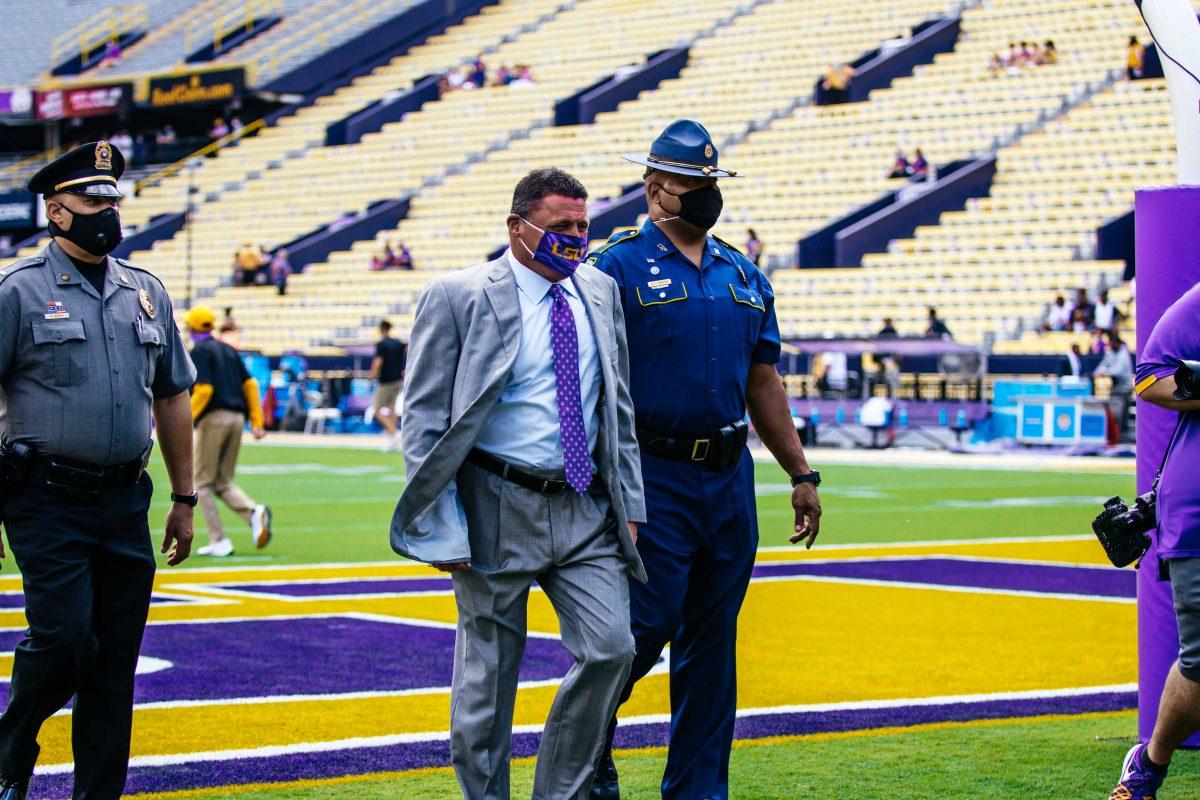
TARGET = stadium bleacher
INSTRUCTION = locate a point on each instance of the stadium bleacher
(805, 165)
(26, 37)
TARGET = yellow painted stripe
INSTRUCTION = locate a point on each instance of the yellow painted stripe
(1145, 383)
(739, 744)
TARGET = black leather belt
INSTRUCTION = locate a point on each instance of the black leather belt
(72, 477)
(718, 451)
(516, 475)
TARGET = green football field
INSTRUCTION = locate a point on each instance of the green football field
(334, 505)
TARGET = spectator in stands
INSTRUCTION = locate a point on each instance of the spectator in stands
(383, 259)
(937, 329)
(227, 319)
(995, 66)
(1026, 58)
(112, 52)
(387, 368)
(836, 85)
(1058, 318)
(754, 246)
(246, 264)
(235, 124)
(1074, 362)
(504, 76)
(401, 257)
(478, 75)
(281, 268)
(888, 331)
(900, 167)
(1117, 364)
(122, 141)
(1013, 57)
(219, 129)
(141, 149)
(1083, 313)
(1135, 63)
(524, 75)
(1106, 315)
(920, 167)
(1049, 53)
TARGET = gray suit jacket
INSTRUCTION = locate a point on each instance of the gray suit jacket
(463, 345)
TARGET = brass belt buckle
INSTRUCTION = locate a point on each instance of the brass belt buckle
(699, 454)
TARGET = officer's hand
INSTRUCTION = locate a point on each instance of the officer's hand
(178, 532)
(258, 433)
(457, 566)
(808, 514)
(632, 531)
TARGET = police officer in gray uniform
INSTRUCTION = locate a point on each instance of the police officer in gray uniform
(88, 351)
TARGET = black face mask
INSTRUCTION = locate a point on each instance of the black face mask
(98, 234)
(700, 207)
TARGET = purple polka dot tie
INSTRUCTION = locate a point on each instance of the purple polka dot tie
(565, 338)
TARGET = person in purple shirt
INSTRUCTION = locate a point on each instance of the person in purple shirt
(1176, 338)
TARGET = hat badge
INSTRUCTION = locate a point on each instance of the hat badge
(104, 156)
(147, 306)
(708, 151)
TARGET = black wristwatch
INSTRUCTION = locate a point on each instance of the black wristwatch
(813, 477)
(186, 499)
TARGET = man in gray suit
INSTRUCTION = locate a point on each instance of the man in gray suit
(523, 465)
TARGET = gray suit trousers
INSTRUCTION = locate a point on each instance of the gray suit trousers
(569, 545)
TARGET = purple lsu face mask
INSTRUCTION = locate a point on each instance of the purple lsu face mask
(561, 252)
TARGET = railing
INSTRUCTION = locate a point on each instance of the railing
(267, 62)
(12, 174)
(96, 31)
(224, 141)
(231, 19)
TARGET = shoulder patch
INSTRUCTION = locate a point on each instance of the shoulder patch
(32, 261)
(613, 240)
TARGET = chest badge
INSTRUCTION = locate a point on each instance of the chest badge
(662, 247)
(660, 284)
(655, 270)
(147, 306)
(56, 310)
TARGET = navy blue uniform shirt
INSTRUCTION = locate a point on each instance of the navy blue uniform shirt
(693, 333)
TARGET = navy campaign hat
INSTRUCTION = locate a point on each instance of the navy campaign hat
(91, 169)
(685, 148)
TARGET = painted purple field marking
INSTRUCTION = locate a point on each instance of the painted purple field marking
(999, 575)
(307, 589)
(220, 660)
(168, 774)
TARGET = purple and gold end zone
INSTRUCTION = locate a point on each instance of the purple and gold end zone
(901, 601)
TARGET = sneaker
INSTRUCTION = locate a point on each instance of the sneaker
(219, 549)
(392, 444)
(1139, 779)
(260, 526)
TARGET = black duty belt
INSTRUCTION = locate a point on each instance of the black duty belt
(516, 475)
(717, 451)
(68, 476)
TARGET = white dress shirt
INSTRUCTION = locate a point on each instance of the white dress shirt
(524, 428)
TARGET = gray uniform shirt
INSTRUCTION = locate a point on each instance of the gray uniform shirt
(81, 371)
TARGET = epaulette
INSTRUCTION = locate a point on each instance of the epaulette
(136, 268)
(613, 240)
(727, 244)
(32, 261)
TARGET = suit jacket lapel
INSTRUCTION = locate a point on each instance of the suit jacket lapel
(501, 293)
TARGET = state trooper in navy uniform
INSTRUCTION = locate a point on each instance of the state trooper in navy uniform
(703, 345)
(89, 351)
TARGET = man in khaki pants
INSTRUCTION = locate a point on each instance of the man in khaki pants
(223, 397)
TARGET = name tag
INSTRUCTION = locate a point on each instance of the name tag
(660, 284)
(56, 310)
